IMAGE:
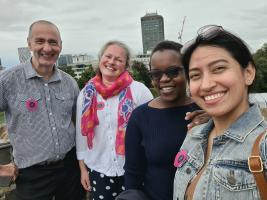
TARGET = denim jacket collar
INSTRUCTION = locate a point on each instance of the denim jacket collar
(239, 130)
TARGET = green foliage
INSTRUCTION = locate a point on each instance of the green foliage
(2, 118)
(86, 76)
(260, 58)
(140, 73)
(68, 70)
(154, 92)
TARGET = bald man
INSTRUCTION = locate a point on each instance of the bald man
(39, 102)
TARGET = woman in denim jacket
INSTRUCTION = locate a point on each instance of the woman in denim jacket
(213, 161)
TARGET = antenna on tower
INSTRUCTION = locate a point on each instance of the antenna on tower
(180, 33)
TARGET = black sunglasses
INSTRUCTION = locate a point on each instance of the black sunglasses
(207, 32)
(171, 72)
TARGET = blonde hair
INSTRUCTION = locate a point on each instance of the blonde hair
(120, 44)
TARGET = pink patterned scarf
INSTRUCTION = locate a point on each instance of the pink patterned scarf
(89, 107)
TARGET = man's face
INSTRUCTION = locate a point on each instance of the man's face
(45, 44)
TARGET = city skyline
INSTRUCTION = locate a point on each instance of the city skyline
(86, 25)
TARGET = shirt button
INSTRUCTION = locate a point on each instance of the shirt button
(188, 170)
(46, 84)
(231, 180)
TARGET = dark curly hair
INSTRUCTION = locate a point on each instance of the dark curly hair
(166, 45)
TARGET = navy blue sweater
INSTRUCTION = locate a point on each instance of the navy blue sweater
(153, 138)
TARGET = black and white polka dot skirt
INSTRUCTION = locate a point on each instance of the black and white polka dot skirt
(105, 187)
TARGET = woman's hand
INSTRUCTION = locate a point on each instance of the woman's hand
(85, 181)
(197, 117)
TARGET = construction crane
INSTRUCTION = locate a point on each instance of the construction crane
(180, 33)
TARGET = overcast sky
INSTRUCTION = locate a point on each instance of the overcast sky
(86, 25)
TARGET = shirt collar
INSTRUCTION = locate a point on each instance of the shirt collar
(31, 72)
(239, 130)
(57, 76)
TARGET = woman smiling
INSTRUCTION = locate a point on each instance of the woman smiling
(220, 70)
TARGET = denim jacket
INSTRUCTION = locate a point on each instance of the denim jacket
(226, 175)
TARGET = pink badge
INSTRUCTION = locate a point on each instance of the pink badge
(180, 158)
(32, 104)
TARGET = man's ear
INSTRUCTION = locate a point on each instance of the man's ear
(250, 73)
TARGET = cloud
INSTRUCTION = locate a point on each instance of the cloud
(86, 25)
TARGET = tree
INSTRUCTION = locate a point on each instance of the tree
(260, 58)
(68, 70)
(140, 73)
(86, 76)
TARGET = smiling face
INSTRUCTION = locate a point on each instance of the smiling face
(45, 43)
(218, 84)
(112, 63)
(171, 90)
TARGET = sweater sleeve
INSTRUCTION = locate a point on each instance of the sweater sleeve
(134, 154)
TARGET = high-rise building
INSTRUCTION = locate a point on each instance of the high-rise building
(65, 59)
(152, 31)
(24, 54)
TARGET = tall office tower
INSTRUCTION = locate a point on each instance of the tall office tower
(24, 54)
(152, 31)
(65, 59)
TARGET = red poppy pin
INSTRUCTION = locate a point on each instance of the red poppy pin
(180, 158)
(32, 104)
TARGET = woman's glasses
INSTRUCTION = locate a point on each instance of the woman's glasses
(170, 72)
(207, 32)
